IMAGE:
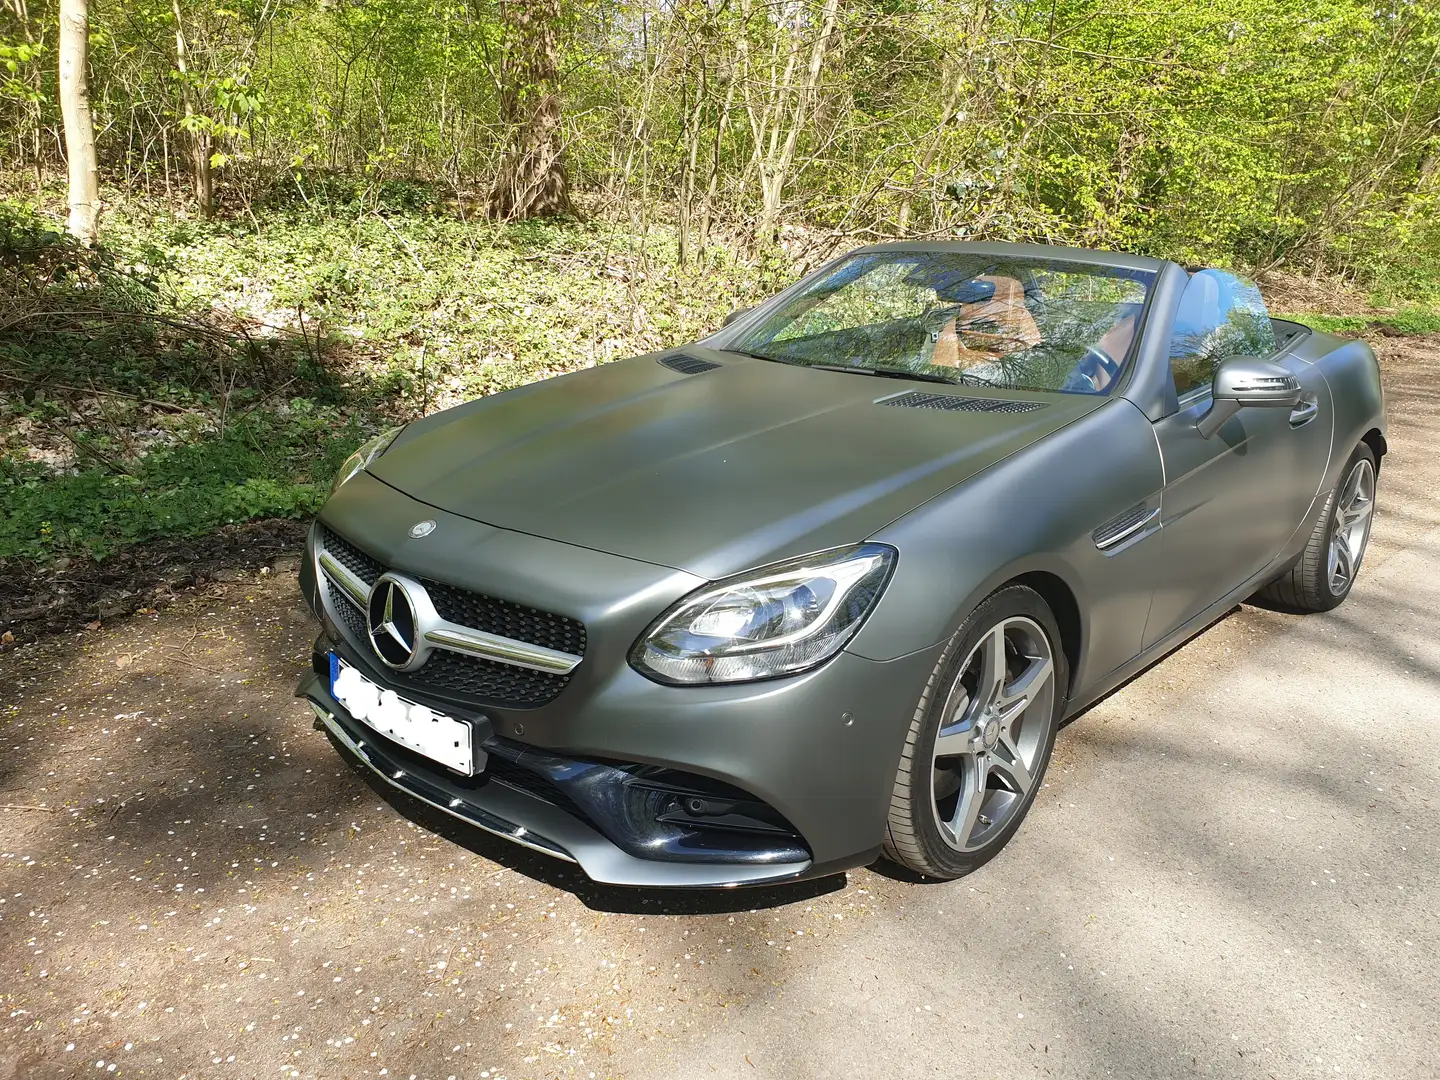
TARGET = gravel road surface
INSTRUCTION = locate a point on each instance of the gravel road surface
(1232, 871)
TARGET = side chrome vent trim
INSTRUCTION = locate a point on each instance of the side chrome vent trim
(688, 365)
(1139, 521)
(915, 399)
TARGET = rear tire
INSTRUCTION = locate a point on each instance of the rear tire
(1326, 571)
(980, 739)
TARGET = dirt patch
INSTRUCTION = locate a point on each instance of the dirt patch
(71, 593)
(1298, 292)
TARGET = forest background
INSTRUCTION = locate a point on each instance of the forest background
(295, 221)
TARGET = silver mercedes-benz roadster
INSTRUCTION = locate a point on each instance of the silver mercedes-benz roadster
(823, 585)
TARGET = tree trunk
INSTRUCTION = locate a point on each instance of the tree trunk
(776, 127)
(531, 180)
(712, 182)
(198, 139)
(689, 163)
(927, 160)
(75, 111)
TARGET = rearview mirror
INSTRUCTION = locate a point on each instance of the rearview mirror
(1247, 382)
(734, 315)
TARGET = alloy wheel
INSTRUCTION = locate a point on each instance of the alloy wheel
(1351, 527)
(988, 747)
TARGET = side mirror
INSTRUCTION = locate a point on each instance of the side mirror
(1247, 382)
(734, 315)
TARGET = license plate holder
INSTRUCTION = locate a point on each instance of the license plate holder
(433, 735)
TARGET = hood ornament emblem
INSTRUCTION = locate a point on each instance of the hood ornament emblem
(422, 528)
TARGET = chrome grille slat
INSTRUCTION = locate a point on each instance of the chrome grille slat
(350, 557)
(506, 619)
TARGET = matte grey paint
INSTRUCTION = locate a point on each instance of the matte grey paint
(646, 463)
(608, 494)
(1247, 382)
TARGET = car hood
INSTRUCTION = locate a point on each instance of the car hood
(712, 473)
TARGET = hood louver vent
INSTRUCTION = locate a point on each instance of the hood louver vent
(688, 365)
(951, 403)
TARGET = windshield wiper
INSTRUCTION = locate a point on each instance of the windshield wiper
(762, 356)
(885, 373)
(980, 380)
(961, 377)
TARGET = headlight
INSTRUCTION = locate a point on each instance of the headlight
(368, 452)
(777, 620)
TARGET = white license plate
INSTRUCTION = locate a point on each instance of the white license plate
(437, 736)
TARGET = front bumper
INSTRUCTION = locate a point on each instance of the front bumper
(528, 819)
(814, 754)
(830, 782)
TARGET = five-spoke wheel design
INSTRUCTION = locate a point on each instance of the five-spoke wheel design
(1325, 573)
(980, 739)
(1350, 527)
(986, 749)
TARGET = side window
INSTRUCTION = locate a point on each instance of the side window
(1220, 315)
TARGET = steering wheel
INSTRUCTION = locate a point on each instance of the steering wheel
(1093, 364)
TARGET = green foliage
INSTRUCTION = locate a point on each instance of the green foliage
(383, 274)
(1414, 320)
(18, 61)
(376, 305)
(276, 464)
(1348, 325)
(1257, 133)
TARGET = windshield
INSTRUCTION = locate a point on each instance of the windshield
(1029, 324)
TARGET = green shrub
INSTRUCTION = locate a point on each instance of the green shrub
(269, 465)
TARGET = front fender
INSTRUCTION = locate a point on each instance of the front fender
(1036, 511)
(1354, 377)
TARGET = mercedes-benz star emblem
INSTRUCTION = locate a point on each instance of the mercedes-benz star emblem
(390, 620)
(422, 528)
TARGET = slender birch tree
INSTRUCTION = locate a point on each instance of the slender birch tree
(74, 53)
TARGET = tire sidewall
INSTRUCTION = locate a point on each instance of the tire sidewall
(1007, 602)
(1328, 598)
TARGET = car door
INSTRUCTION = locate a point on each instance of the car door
(1231, 503)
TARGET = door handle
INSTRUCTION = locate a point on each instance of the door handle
(1303, 413)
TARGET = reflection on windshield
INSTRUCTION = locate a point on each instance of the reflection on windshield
(1021, 323)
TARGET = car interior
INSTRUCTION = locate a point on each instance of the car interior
(1010, 326)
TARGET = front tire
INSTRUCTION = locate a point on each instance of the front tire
(1326, 572)
(981, 737)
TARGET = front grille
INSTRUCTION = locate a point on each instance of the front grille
(485, 681)
(506, 619)
(516, 776)
(453, 675)
(350, 615)
(350, 557)
(953, 403)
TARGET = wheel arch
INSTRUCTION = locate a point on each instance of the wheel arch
(1060, 598)
(1377, 444)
